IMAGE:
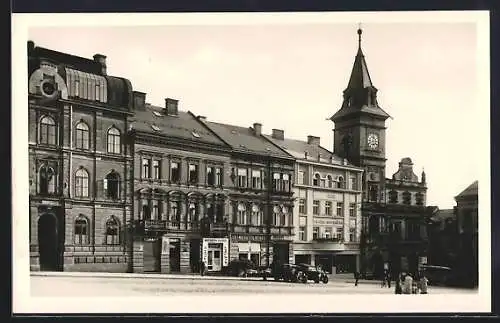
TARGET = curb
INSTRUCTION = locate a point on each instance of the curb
(138, 276)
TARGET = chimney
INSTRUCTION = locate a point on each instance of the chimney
(31, 46)
(257, 127)
(313, 140)
(203, 118)
(101, 59)
(278, 134)
(171, 107)
(139, 100)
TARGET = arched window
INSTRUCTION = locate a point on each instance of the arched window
(112, 186)
(406, 198)
(81, 183)
(330, 181)
(81, 230)
(340, 182)
(82, 135)
(175, 211)
(393, 196)
(419, 198)
(276, 215)
(192, 215)
(256, 215)
(114, 146)
(47, 131)
(284, 214)
(47, 180)
(316, 179)
(112, 231)
(242, 214)
(146, 212)
(210, 212)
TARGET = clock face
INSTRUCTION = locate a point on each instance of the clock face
(372, 141)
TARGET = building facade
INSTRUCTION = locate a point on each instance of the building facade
(260, 197)
(360, 137)
(327, 213)
(79, 163)
(181, 170)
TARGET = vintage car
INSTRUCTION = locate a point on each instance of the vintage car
(288, 273)
(313, 273)
(241, 268)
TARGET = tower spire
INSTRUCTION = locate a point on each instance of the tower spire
(360, 32)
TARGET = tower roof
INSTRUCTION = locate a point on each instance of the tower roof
(360, 96)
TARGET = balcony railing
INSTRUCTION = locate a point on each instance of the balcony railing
(331, 239)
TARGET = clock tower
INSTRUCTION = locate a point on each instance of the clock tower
(359, 134)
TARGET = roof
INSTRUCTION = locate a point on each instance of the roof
(77, 62)
(443, 214)
(298, 148)
(185, 126)
(245, 140)
(360, 77)
(471, 190)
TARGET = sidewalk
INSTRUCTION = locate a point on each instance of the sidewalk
(136, 275)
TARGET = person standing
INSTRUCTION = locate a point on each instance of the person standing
(388, 278)
(356, 278)
(408, 284)
(423, 284)
(399, 288)
(202, 268)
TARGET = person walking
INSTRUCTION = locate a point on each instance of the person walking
(202, 268)
(388, 278)
(408, 284)
(399, 288)
(423, 284)
(356, 278)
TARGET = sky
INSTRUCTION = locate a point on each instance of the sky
(291, 76)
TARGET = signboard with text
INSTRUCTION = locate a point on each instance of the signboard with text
(208, 245)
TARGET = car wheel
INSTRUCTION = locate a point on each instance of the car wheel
(325, 279)
(316, 280)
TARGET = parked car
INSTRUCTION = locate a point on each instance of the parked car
(241, 268)
(437, 275)
(289, 273)
(313, 273)
(265, 272)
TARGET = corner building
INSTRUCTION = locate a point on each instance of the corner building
(79, 163)
(327, 213)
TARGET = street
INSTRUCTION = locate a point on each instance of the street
(88, 286)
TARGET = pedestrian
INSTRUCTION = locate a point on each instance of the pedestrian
(399, 288)
(356, 278)
(202, 268)
(423, 284)
(408, 284)
(384, 278)
(388, 277)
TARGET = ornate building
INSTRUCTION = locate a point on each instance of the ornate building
(327, 213)
(79, 164)
(261, 195)
(359, 136)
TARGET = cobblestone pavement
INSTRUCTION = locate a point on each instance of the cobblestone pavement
(81, 286)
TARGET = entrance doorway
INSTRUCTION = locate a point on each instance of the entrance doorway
(152, 255)
(48, 243)
(282, 253)
(195, 255)
(175, 255)
(214, 259)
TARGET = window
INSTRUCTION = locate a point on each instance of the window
(373, 193)
(328, 208)
(352, 233)
(242, 214)
(175, 211)
(276, 215)
(316, 207)
(327, 234)
(285, 183)
(192, 215)
(97, 92)
(283, 217)
(47, 131)
(322, 182)
(47, 184)
(210, 212)
(340, 233)
(352, 209)
(330, 181)
(218, 176)
(146, 212)
(112, 186)
(316, 179)
(174, 172)
(419, 198)
(315, 233)
(156, 210)
(242, 177)
(81, 183)
(256, 179)
(156, 169)
(114, 146)
(277, 182)
(81, 230)
(340, 209)
(146, 168)
(82, 136)
(393, 196)
(302, 206)
(193, 173)
(407, 198)
(340, 182)
(301, 178)
(302, 234)
(256, 215)
(77, 88)
(210, 176)
(354, 184)
(112, 231)
(219, 213)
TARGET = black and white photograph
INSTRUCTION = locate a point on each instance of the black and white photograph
(251, 162)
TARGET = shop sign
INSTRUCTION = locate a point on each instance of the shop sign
(225, 249)
(328, 222)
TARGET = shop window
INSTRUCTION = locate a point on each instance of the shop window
(81, 230)
(81, 183)
(82, 136)
(112, 231)
(47, 131)
(114, 145)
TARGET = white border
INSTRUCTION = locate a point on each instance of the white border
(22, 300)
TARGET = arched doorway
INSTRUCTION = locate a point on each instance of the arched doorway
(48, 242)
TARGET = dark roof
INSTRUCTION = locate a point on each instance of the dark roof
(119, 91)
(443, 214)
(245, 140)
(471, 190)
(80, 63)
(360, 77)
(183, 126)
(298, 148)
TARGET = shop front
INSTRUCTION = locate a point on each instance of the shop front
(215, 253)
(250, 251)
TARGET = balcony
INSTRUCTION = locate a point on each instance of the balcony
(163, 225)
